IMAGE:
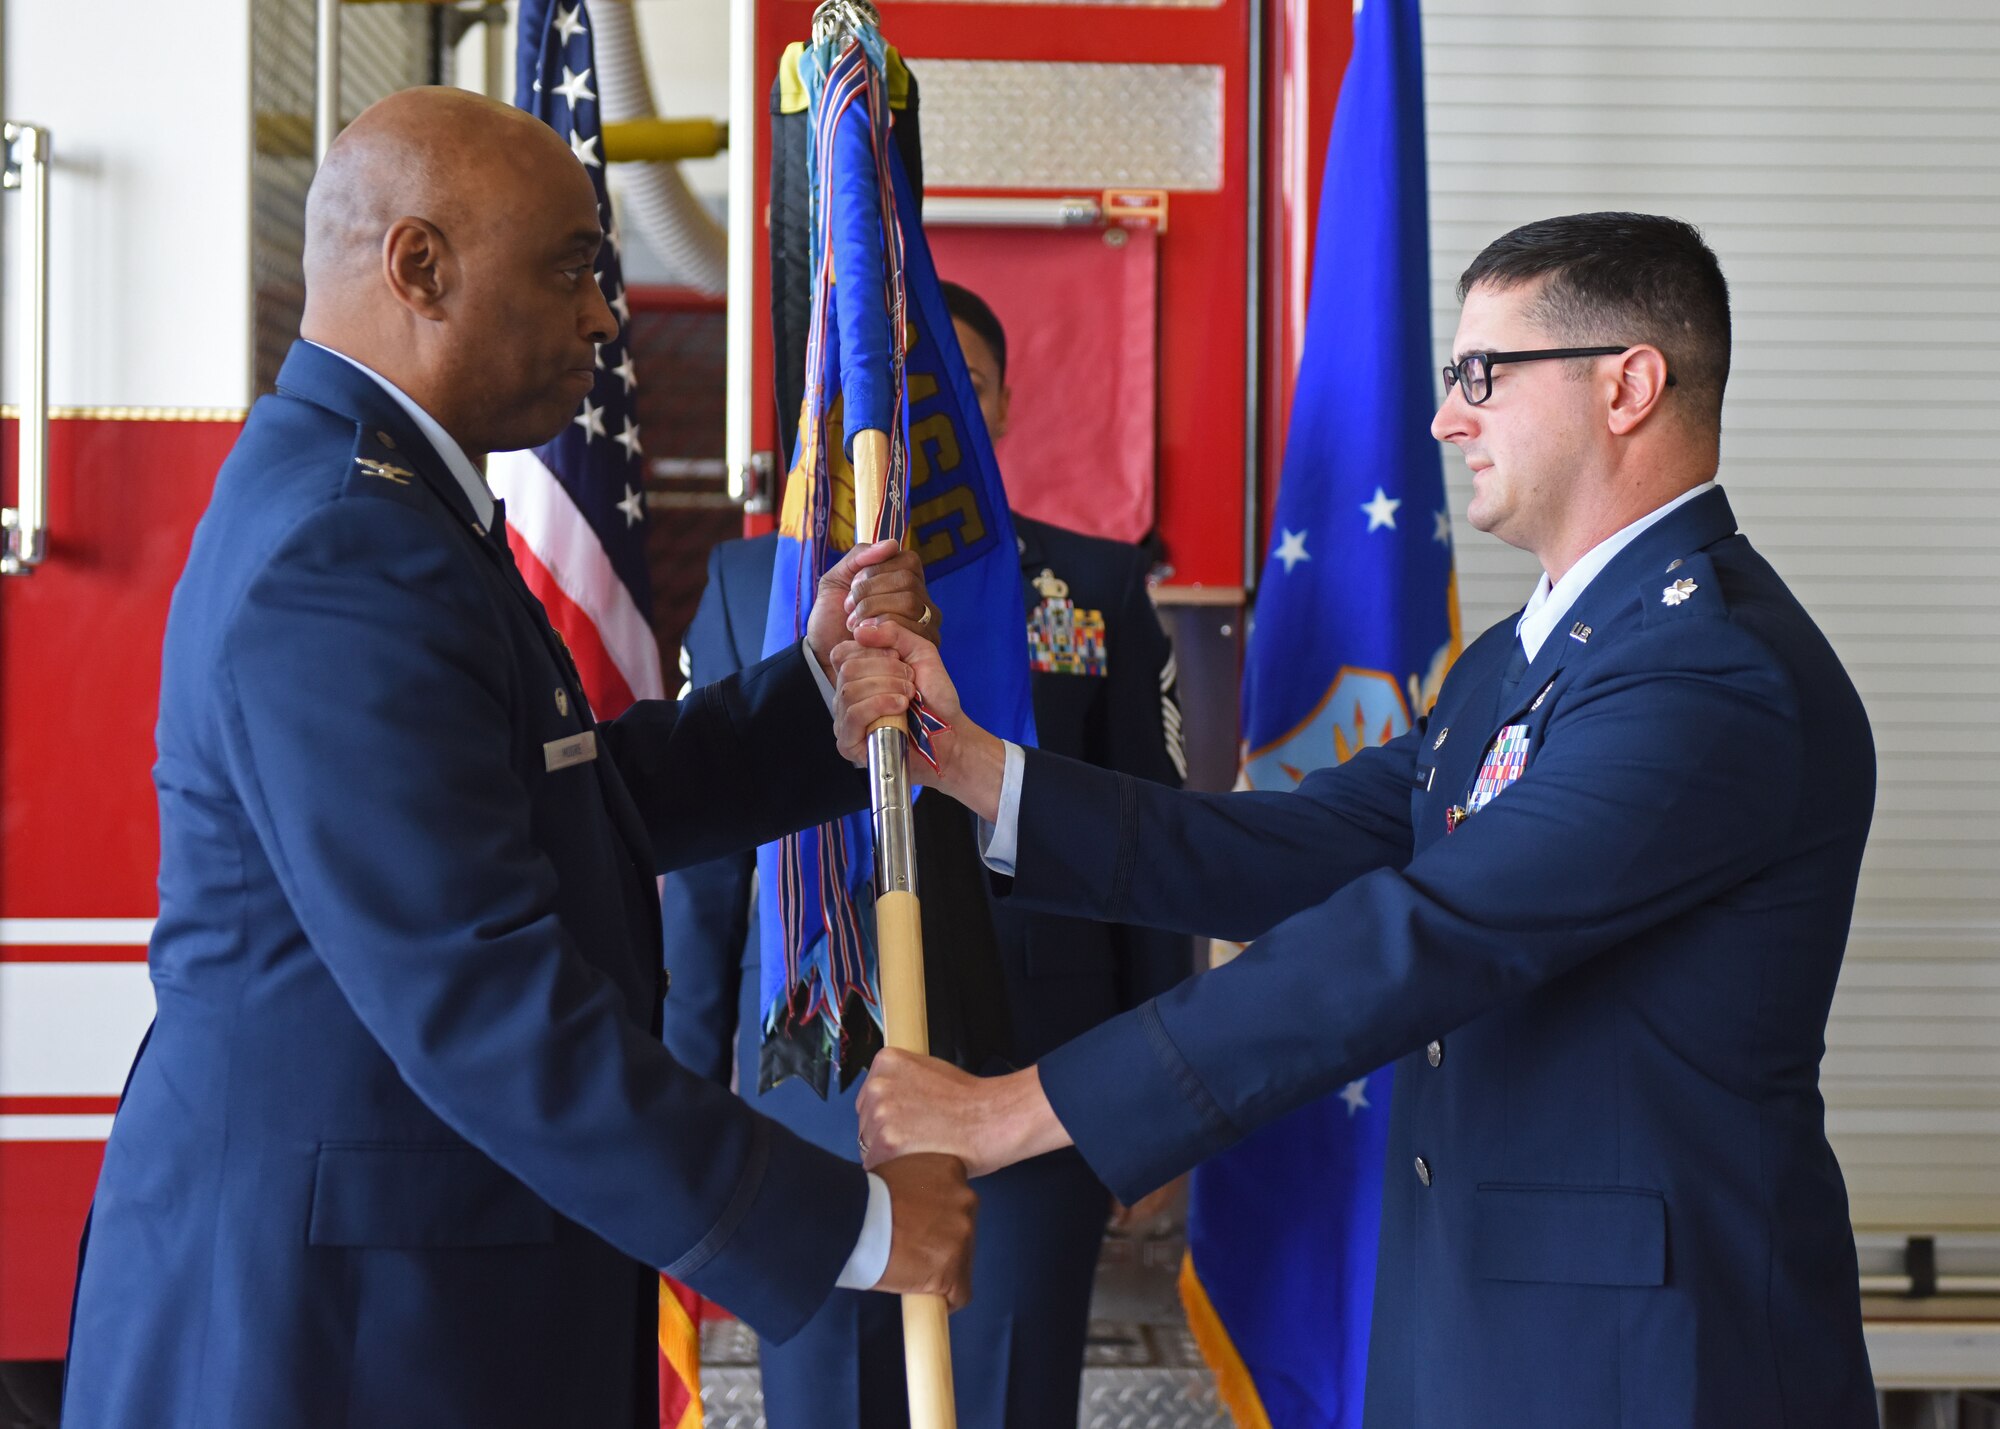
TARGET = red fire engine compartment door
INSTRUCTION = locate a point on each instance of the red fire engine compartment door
(1080, 310)
(1038, 101)
(79, 843)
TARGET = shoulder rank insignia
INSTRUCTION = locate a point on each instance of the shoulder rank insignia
(1063, 640)
(388, 471)
(1679, 591)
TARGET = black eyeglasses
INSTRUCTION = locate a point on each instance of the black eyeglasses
(1475, 369)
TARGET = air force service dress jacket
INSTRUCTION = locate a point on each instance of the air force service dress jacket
(401, 1148)
(1610, 1200)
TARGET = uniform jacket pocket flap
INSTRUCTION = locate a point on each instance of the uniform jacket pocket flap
(1570, 1235)
(416, 1195)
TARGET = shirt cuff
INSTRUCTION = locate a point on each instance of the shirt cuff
(1000, 840)
(819, 675)
(870, 1259)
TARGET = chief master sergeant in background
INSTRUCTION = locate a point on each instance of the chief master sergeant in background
(1596, 901)
(1103, 689)
(401, 1148)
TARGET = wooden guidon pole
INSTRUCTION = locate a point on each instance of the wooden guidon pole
(900, 944)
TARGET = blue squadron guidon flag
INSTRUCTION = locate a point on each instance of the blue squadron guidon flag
(576, 514)
(881, 355)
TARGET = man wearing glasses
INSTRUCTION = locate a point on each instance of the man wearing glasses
(1595, 901)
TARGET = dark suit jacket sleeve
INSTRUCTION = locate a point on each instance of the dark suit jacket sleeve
(705, 908)
(1142, 737)
(739, 762)
(1668, 770)
(366, 708)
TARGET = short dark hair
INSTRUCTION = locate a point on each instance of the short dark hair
(969, 308)
(1622, 277)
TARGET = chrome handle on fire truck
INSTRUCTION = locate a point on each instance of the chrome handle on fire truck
(24, 540)
(326, 77)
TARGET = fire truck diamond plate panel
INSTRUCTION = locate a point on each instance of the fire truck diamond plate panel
(999, 124)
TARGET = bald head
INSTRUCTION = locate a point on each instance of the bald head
(442, 155)
(449, 246)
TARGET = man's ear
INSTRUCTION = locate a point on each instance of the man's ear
(1639, 383)
(416, 262)
(1001, 404)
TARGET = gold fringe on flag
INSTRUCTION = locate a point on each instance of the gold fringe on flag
(1233, 1385)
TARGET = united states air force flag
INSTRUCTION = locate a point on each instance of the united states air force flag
(1356, 622)
(819, 983)
(576, 505)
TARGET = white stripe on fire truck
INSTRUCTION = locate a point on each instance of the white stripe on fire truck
(75, 932)
(54, 1128)
(70, 1029)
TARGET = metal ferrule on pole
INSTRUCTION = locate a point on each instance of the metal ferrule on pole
(889, 796)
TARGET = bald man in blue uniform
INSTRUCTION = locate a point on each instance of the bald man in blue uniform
(402, 1148)
(1595, 902)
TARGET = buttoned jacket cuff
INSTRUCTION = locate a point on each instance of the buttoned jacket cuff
(1161, 1120)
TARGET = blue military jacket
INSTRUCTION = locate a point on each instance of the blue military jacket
(1610, 1198)
(401, 1148)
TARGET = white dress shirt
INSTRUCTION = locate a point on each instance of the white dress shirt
(870, 1256)
(999, 841)
(1550, 603)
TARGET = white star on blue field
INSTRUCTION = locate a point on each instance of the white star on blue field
(1292, 549)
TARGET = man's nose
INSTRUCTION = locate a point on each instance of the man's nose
(1455, 416)
(601, 325)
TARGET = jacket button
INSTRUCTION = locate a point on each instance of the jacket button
(1423, 1171)
(1435, 1053)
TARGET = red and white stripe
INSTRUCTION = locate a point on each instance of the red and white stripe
(564, 564)
(74, 1003)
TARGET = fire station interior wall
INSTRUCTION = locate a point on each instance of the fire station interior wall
(1839, 156)
(149, 198)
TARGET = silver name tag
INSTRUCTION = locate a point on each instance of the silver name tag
(570, 749)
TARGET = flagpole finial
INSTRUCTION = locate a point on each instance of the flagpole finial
(833, 17)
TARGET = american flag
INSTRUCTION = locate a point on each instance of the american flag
(576, 513)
